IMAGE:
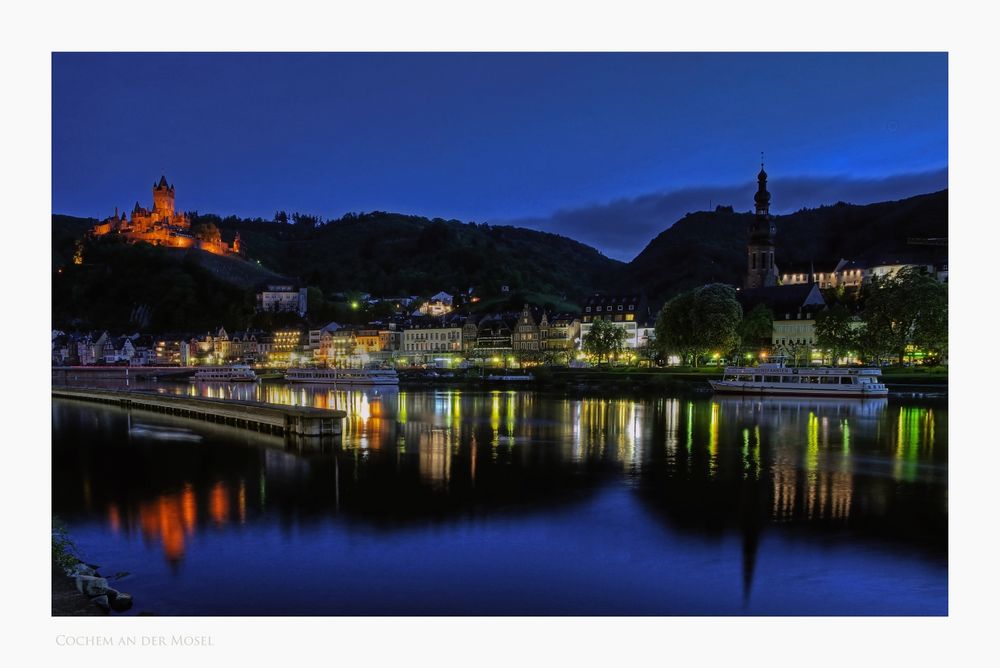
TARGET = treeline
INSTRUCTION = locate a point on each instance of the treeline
(393, 254)
(891, 319)
(893, 316)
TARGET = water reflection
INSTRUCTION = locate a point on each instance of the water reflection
(871, 470)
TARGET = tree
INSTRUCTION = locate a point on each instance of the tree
(675, 328)
(756, 327)
(648, 351)
(930, 330)
(716, 318)
(909, 307)
(604, 340)
(206, 232)
(700, 321)
(835, 331)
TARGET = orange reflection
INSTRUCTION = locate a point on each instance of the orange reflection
(189, 508)
(168, 518)
(114, 518)
(218, 503)
(243, 502)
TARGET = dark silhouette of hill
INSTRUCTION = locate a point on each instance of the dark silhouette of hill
(137, 286)
(394, 254)
(390, 253)
(710, 246)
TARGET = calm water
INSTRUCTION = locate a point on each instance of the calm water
(515, 502)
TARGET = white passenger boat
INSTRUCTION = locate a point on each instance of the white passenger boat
(226, 374)
(777, 379)
(343, 376)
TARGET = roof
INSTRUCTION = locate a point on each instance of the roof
(820, 267)
(439, 322)
(600, 300)
(563, 317)
(782, 298)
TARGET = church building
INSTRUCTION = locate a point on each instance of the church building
(761, 270)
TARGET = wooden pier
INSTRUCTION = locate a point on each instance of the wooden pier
(268, 418)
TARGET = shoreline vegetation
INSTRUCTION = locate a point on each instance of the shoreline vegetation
(77, 587)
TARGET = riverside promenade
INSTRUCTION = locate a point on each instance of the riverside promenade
(268, 418)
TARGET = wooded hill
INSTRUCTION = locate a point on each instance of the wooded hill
(388, 254)
(709, 247)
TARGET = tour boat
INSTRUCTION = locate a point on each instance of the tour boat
(343, 376)
(228, 374)
(777, 379)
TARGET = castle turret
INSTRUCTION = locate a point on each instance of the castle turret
(163, 198)
(761, 270)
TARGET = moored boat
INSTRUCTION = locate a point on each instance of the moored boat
(343, 376)
(777, 379)
(232, 373)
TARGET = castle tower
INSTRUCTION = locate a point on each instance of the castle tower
(761, 270)
(163, 198)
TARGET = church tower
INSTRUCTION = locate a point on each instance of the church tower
(163, 199)
(761, 271)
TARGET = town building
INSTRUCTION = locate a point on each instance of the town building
(244, 347)
(856, 273)
(525, 337)
(172, 350)
(431, 336)
(314, 340)
(794, 309)
(625, 311)
(282, 297)
(438, 305)
(286, 348)
(494, 337)
(560, 332)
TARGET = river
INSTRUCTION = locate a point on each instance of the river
(515, 503)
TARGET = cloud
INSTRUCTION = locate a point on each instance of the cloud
(622, 228)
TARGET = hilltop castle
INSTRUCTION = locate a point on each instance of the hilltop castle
(163, 226)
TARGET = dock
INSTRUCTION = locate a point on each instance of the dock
(267, 418)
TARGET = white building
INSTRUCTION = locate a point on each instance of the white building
(282, 297)
(627, 312)
(428, 338)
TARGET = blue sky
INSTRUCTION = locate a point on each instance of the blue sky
(606, 148)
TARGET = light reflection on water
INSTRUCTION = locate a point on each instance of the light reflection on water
(871, 474)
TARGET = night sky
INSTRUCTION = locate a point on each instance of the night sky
(609, 149)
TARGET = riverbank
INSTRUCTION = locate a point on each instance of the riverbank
(77, 588)
(643, 381)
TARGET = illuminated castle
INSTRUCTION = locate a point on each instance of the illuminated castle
(162, 226)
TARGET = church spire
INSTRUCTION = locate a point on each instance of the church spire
(763, 198)
(761, 271)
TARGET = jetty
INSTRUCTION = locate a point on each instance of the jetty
(267, 418)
